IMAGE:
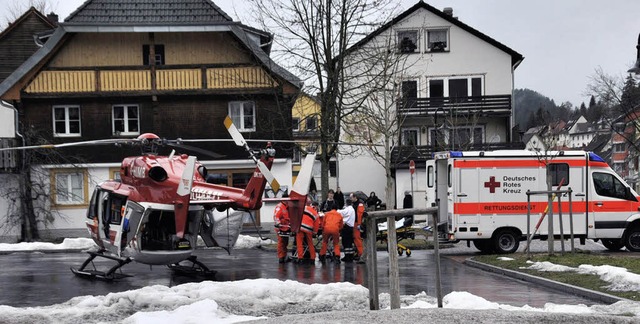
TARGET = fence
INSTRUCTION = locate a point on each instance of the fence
(371, 256)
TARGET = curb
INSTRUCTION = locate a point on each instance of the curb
(579, 291)
(42, 251)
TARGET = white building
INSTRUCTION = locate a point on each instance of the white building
(455, 87)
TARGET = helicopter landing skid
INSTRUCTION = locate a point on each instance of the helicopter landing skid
(196, 268)
(97, 274)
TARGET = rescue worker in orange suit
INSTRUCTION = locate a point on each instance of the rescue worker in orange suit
(357, 238)
(281, 221)
(332, 226)
(308, 228)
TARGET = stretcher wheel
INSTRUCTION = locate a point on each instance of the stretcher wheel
(408, 253)
(400, 251)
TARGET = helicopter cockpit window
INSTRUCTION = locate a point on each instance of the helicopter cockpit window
(117, 209)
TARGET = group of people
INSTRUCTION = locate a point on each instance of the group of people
(335, 219)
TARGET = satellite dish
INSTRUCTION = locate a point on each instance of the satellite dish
(495, 139)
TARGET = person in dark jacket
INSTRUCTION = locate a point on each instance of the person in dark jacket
(339, 197)
(330, 203)
(373, 202)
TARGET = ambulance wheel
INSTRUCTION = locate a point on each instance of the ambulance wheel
(612, 245)
(632, 239)
(485, 246)
(506, 241)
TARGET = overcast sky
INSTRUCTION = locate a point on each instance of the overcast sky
(563, 42)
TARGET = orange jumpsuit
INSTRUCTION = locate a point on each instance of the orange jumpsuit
(333, 223)
(309, 226)
(357, 238)
(281, 221)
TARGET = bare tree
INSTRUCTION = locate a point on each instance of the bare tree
(29, 201)
(312, 37)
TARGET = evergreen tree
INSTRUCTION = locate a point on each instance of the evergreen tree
(583, 110)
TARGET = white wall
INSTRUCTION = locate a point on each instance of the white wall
(7, 122)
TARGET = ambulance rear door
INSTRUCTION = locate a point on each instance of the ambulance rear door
(431, 183)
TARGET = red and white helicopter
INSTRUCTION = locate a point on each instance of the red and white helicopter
(161, 204)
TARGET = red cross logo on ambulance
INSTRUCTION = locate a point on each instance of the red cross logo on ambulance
(492, 184)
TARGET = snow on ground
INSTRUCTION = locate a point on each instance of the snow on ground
(244, 242)
(237, 301)
(620, 279)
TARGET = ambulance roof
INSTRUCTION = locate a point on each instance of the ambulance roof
(517, 153)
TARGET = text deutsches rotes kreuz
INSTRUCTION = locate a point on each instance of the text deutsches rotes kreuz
(204, 194)
(513, 184)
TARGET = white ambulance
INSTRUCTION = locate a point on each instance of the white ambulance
(483, 198)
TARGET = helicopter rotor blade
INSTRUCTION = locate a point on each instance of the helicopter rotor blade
(240, 141)
(235, 133)
(208, 153)
(83, 143)
(275, 185)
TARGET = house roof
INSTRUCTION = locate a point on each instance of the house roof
(32, 11)
(516, 58)
(147, 12)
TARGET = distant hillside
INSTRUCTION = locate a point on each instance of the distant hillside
(527, 103)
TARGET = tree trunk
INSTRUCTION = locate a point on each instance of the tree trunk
(29, 224)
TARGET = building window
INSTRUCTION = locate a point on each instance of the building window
(126, 120)
(296, 124)
(619, 147)
(456, 87)
(312, 123)
(437, 40)
(158, 55)
(559, 173)
(66, 121)
(70, 187)
(410, 89)
(410, 136)
(243, 115)
(407, 41)
(436, 88)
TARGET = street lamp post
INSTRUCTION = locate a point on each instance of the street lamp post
(636, 67)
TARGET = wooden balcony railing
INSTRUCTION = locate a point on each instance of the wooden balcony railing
(160, 78)
(489, 105)
(423, 152)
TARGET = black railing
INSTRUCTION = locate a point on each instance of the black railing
(406, 153)
(488, 105)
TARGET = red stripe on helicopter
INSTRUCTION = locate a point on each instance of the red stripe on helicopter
(489, 163)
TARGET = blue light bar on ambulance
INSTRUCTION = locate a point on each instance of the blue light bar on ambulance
(595, 158)
(446, 155)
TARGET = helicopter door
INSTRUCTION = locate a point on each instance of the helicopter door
(131, 222)
(206, 229)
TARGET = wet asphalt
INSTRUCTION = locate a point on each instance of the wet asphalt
(40, 279)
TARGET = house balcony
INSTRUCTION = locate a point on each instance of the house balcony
(495, 105)
(154, 79)
(405, 153)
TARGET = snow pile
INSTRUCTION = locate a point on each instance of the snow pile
(68, 243)
(619, 279)
(232, 302)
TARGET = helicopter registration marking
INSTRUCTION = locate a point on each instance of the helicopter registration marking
(204, 194)
(138, 172)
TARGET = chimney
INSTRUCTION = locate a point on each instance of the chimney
(53, 18)
(448, 11)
